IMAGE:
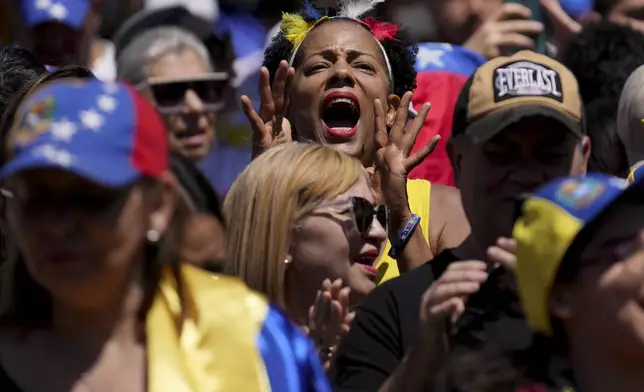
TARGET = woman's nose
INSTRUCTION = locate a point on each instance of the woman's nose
(377, 231)
(341, 77)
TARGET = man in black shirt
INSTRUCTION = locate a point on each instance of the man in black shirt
(518, 123)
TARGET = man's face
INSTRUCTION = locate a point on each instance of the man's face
(57, 44)
(493, 175)
(458, 19)
(629, 12)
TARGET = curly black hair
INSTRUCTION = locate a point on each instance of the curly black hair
(602, 57)
(401, 53)
(17, 67)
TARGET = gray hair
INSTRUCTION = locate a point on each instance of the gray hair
(134, 60)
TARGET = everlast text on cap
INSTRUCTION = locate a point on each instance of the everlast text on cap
(507, 89)
(524, 79)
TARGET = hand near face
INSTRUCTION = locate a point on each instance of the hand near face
(508, 27)
(394, 160)
(444, 302)
(504, 253)
(270, 126)
(329, 319)
(564, 26)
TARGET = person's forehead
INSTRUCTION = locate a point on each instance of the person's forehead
(359, 189)
(340, 35)
(52, 179)
(534, 131)
(184, 63)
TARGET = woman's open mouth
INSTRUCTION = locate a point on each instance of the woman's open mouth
(341, 114)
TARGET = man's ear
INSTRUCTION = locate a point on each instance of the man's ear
(393, 102)
(562, 302)
(585, 155)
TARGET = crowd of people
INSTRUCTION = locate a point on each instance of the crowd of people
(449, 216)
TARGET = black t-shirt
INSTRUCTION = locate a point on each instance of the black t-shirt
(6, 383)
(387, 321)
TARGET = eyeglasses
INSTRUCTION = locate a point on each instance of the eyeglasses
(169, 93)
(363, 212)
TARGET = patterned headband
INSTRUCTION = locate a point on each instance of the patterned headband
(296, 27)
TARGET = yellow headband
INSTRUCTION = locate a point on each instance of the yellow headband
(295, 28)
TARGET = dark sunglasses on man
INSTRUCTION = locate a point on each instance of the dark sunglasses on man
(169, 93)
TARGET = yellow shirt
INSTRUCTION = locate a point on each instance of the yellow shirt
(419, 193)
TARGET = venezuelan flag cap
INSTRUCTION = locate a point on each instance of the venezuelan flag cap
(551, 219)
(104, 132)
(636, 172)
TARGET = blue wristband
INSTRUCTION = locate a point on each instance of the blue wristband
(404, 235)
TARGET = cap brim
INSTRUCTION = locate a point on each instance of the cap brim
(487, 127)
(104, 171)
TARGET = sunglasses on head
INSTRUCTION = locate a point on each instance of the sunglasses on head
(169, 93)
(364, 211)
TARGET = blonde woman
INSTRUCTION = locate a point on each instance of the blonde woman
(299, 217)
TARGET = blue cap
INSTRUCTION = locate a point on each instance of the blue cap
(550, 221)
(636, 172)
(105, 132)
(69, 12)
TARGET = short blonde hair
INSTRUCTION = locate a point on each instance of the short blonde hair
(269, 197)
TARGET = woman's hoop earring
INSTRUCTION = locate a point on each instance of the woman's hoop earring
(153, 235)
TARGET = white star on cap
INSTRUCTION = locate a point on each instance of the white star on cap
(58, 11)
(91, 119)
(63, 130)
(110, 87)
(43, 4)
(430, 56)
(61, 157)
(107, 103)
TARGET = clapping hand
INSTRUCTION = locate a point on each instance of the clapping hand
(394, 160)
(329, 319)
(503, 253)
(270, 126)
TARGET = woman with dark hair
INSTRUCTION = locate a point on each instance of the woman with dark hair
(580, 273)
(7, 118)
(338, 79)
(205, 238)
(96, 278)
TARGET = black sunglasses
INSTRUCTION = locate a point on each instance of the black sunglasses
(169, 94)
(363, 212)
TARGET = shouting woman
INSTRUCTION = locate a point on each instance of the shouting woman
(334, 78)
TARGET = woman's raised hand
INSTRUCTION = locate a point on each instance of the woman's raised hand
(394, 160)
(270, 126)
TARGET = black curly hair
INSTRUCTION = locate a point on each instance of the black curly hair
(602, 57)
(401, 54)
